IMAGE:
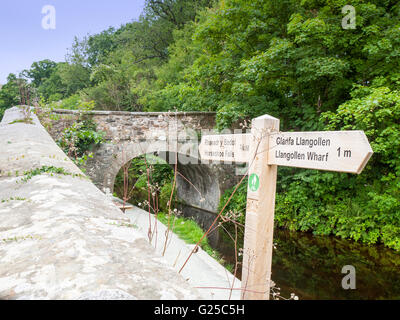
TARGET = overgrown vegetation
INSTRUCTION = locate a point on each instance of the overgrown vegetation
(79, 140)
(189, 231)
(26, 121)
(21, 238)
(13, 199)
(47, 170)
(159, 175)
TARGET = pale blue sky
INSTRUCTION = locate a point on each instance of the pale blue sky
(23, 40)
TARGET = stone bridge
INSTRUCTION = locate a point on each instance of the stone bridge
(62, 238)
(171, 136)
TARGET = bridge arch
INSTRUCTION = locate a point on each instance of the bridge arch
(199, 186)
(132, 134)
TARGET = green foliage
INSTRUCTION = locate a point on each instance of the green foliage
(74, 77)
(289, 59)
(364, 208)
(165, 196)
(189, 231)
(237, 204)
(40, 71)
(125, 63)
(52, 88)
(47, 169)
(113, 89)
(375, 110)
(80, 139)
(9, 94)
(84, 135)
(13, 199)
(293, 60)
(73, 102)
(136, 180)
(344, 205)
(159, 175)
(99, 46)
(26, 121)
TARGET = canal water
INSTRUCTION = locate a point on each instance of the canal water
(311, 267)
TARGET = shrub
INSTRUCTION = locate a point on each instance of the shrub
(79, 140)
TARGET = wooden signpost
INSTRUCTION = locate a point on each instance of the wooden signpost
(264, 149)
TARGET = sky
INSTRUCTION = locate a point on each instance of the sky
(25, 36)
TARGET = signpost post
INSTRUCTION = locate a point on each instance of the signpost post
(259, 224)
(264, 149)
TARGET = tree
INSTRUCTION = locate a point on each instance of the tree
(176, 12)
(74, 77)
(9, 94)
(40, 71)
(124, 63)
(99, 46)
(53, 88)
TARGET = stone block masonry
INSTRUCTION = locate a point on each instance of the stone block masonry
(132, 134)
(61, 237)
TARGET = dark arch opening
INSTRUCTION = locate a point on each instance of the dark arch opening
(197, 186)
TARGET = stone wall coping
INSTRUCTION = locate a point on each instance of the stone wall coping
(139, 114)
(61, 238)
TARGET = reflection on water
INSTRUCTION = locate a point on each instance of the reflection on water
(311, 267)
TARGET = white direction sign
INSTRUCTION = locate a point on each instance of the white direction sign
(226, 147)
(343, 151)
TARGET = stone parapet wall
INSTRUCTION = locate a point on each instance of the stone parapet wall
(61, 237)
(134, 126)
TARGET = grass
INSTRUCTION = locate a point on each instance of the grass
(127, 225)
(190, 232)
(13, 199)
(22, 238)
(45, 169)
(26, 121)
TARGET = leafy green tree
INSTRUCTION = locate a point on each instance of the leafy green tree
(73, 77)
(125, 62)
(40, 71)
(99, 46)
(176, 12)
(9, 94)
(53, 88)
